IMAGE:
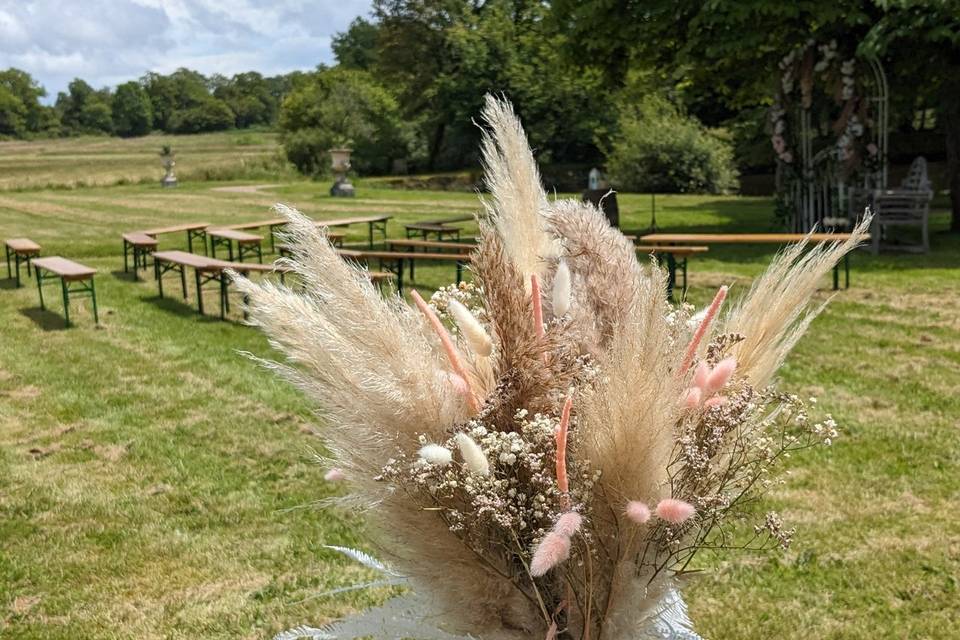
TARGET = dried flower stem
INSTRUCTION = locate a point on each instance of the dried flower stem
(562, 482)
(448, 347)
(702, 329)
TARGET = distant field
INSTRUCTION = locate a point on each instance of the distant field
(154, 484)
(104, 161)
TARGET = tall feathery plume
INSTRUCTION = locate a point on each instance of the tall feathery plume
(463, 500)
(518, 200)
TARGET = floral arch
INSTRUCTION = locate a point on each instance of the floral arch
(829, 132)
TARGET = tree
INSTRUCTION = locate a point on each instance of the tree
(342, 107)
(250, 98)
(356, 48)
(132, 111)
(182, 103)
(730, 51)
(84, 110)
(21, 113)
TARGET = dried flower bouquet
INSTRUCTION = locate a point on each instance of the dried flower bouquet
(543, 452)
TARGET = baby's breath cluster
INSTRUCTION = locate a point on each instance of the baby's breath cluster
(468, 294)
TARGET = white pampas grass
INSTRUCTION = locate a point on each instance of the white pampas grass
(561, 290)
(470, 328)
(517, 197)
(435, 454)
(473, 456)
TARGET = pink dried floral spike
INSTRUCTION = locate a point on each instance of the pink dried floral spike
(448, 347)
(552, 550)
(637, 511)
(569, 523)
(675, 511)
(691, 398)
(720, 375)
(562, 482)
(702, 329)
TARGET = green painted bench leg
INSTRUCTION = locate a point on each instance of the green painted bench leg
(66, 300)
(125, 251)
(199, 292)
(93, 294)
(43, 307)
(183, 281)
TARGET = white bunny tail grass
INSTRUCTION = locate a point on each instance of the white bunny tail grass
(518, 198)
(776, 311)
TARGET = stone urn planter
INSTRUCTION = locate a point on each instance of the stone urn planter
(340, 162)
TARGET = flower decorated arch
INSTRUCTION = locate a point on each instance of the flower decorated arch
(828, 128)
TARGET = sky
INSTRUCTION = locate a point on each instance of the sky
(107, 42)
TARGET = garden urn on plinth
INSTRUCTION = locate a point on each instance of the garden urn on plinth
(167, 156)
(341, 164)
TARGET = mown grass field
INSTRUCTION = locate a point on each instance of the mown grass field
(155, 484)
(101, 161)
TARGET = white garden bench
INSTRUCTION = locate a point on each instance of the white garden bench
(908, 205)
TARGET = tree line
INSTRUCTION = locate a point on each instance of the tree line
(184, 101)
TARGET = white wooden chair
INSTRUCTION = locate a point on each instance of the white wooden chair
(908, 205)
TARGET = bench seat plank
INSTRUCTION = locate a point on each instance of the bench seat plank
(23, 245)
(66, 269)
(233, 234)
(191, 226)
(140, 239)
(744, 238)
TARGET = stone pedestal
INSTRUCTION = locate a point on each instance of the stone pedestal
(340, 162)
(169, 180)
(342, 188)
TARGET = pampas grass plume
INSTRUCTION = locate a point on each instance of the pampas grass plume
(335, 475)
(472, 455)
(561, 290)
(675, 511)
(637, 511)
(471, 330)
(436, 455)
(552, 550)
(569, 523)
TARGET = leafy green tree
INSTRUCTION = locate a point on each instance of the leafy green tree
(209, 115)
(132, 111)
(21, 113)
(728, 52)
(250, 98)
(84, 110)
(342, 107)
(182, 103)
(356, 48)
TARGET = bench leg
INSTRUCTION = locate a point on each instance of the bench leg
(9, 272)
(846, 270)
(671, 275)
(836, 277)
(16, 261)
(213, 247)
(223, 296)
(66, 300)
(93, 295)
(370, 234)
(400, 277)
(125, 251)
(43, 307)
(230, 251)
(273, 240)
(459, 271)
(160, 281)
(196, 272)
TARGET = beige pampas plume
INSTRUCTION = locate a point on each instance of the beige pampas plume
(776, 312)
(518, 198)
(471, 329)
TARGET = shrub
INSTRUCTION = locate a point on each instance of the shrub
(659, 148)
(342, 107)
(209, 115)
(132, 111)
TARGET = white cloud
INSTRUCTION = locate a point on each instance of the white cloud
(110, 41)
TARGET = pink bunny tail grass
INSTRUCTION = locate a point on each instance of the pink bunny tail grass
(701, 374)
(702, 330)
(448, 347)
(720, 375)
(552, 550)
(335, 475)
(691, 398)
(568, 524)
(675, 511)
(715, 401)
(562, 482)
(637, 511)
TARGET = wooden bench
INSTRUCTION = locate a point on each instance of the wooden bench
(22, 250)
(392, 261)
(208, 270)
(374, 223)
(437, 246)
(194, 230)
(336, 237)
(424, 229)
(675, 257)
(68, 272)
(141, 246)
(757, 238)
(247, 243)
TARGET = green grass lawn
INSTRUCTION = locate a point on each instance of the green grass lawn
(155, 484)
